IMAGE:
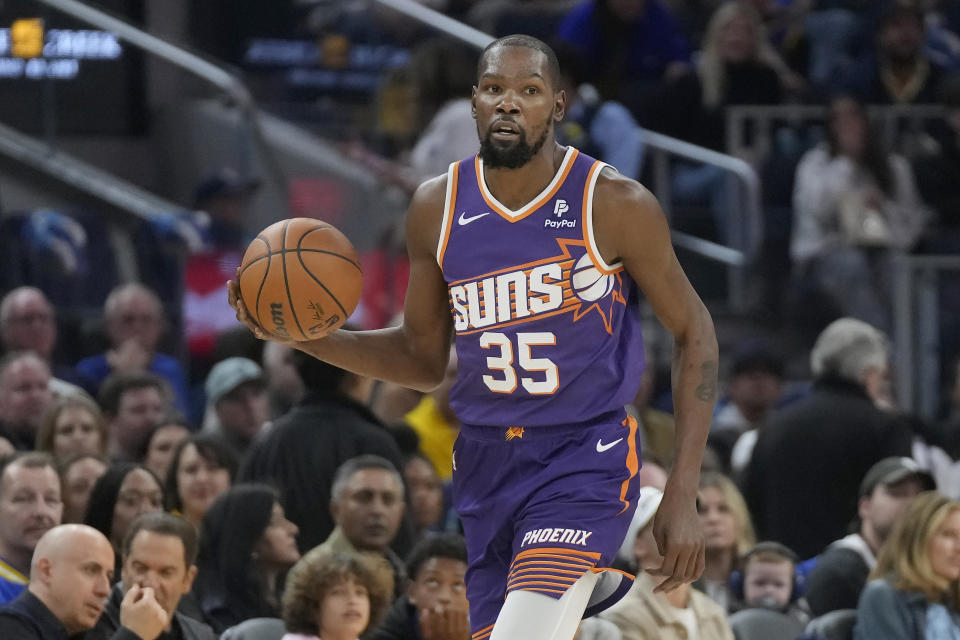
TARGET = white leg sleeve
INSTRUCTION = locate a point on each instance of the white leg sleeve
(534, 616)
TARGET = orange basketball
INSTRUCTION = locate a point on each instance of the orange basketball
(300, 278)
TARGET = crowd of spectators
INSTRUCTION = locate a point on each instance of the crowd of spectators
(803, 493)
(265, 493)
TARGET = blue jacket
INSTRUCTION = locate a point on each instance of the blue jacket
(886, 613)
(94, 370)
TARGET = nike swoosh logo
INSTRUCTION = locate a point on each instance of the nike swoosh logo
(465, 220)
(603, 447)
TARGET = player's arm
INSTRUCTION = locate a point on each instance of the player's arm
(416, 353)
(630, 226)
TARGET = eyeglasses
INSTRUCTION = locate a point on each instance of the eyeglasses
(31, 318)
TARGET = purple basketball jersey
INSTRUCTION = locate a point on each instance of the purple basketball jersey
(546, 331)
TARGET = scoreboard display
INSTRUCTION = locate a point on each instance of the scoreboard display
(57, 70)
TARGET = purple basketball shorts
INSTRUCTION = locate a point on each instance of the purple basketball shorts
(542, 506)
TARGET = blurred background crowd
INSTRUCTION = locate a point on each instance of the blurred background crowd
(806, 152)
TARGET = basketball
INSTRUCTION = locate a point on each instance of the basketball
(300, 278)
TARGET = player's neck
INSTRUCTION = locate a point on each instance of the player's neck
(517, 187)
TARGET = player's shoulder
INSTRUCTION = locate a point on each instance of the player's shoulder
(425, 214)
(615, 192)
(431, 192)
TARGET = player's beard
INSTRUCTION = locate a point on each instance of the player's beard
(515, 156)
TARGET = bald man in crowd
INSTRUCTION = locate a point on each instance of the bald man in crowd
(134, 323)
(69, 585)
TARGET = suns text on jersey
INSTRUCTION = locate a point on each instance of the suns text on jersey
(511, 296)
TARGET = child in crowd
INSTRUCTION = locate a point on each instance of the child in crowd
(768, 580)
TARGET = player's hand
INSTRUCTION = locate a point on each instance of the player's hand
(233, 297)
(679, 536)
(141, 613)
(444, 623)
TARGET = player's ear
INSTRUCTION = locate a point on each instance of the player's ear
(473, 102)
(560, 105)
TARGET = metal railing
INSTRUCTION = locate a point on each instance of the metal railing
(82, 176)
(759, 122)
(440, 22)
(745, 223)
(916, 328)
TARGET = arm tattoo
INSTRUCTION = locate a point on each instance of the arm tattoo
(707, 389)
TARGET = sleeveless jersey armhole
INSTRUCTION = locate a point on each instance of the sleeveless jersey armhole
(449, 203)
(588, 237)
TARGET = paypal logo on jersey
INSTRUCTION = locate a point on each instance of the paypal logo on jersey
(560, 207)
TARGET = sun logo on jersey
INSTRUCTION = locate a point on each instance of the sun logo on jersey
(569, 282)
(514, 432)
(589, 283)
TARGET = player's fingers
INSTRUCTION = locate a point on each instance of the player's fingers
(690, 572)
(669, 564)
(701, 561)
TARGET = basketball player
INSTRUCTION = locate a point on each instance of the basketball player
(531, 254)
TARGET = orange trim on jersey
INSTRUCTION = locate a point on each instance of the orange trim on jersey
(533, 205)
(633, 464)
(518, 561)
(543, 563)
(538, 584)
(486, 630)
(588, 229)
(483, 635)
(544, 576)
(559, 551)
(540, 566)
(451, 213)
(612, 570)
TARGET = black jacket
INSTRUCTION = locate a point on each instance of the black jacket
(303, 450)
(109, 623)
(27, 618)
(837, 581)
(400, 623)
(803, 480)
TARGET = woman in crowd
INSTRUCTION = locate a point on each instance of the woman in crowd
(201, 470)
(854, 205)
(914, 592)
(163, 442)
(728, 533)
(676, 615)
(73, 425)
(121, 494)
(336, 596)
(426, 500)
(78, 475)
(736, 66)
(246, 546)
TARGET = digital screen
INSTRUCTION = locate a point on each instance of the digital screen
(55, 69)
